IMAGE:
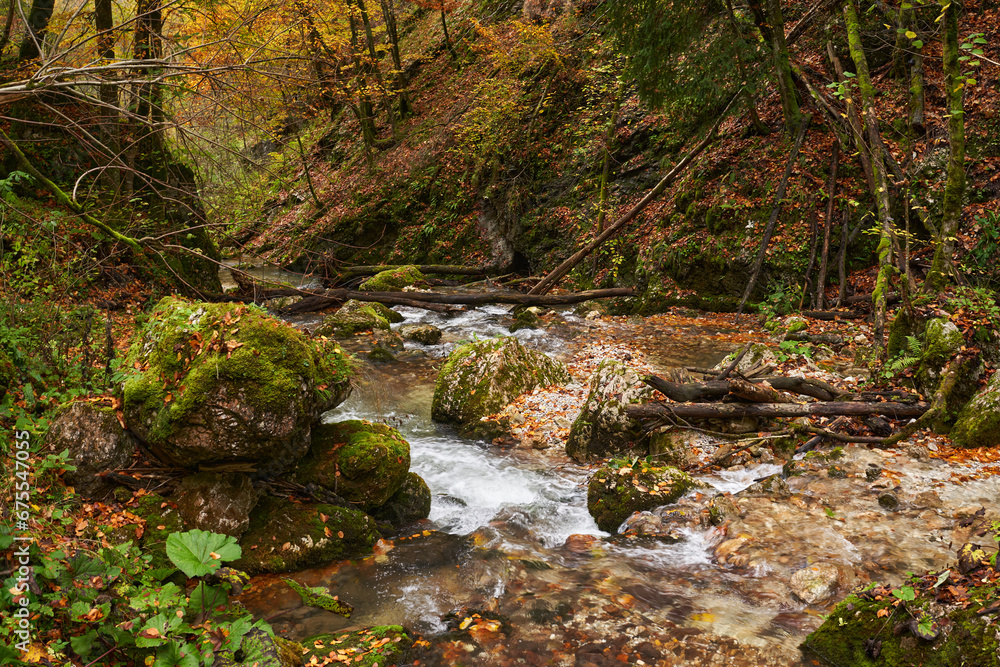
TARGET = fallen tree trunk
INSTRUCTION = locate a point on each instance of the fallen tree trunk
(832, 315)
(816, 339)
(665, 411)
(696, 391)
(438, 269)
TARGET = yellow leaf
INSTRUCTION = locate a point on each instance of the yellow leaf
(466, 623)
(882, 612)
(910, 34)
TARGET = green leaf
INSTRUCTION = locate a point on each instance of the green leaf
(943, 577)
(318, 596)
(198, 552)
(176, 655)
(904, 593)
(917, 44)
(83, 644)
(205, 600)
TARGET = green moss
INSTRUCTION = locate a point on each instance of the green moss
(317, 596)
(394, 280)
(364, 648)
(482, 378)
(615, 493)
(412, 502)
(161, 519)
(978, 423)
(276, 522)
(355, 317)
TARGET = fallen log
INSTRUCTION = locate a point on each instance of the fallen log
(756, 392)
(666, 412)
(815, 339)
(695, 391)
(434, 269)
(833, 315)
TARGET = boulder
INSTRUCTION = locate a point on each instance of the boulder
(526, 318)
(394, 280)
(216, 502)
(942, 341)
(225, 382)
(603, 427)
(483, 377)
(815, 583)
(772, 485)
(161, 518)
(357, 316)
(618, 490)
(385, 346)
(425, 334)
(411, 503)
(286, 536)
(978, 424)
(363, 462)
(96, 443)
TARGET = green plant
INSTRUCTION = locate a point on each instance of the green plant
(789, 348)
(907, 357)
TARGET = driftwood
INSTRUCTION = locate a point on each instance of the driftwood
(812, 442)
(759, 392)
(664, 412)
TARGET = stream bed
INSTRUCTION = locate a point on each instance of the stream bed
(509, 536)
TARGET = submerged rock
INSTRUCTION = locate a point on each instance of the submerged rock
(285, 536)
(96, 443)
(224, 382)
(425, 334)
(394, 280)
(357, 316)
(481, 378)
(978, 423)
(526, 318)
(616, 491)
(603, 427)
(815, 583)
(364, 462)
(216, 502)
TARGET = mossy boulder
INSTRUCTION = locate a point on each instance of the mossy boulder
(357, 316)
(162, 518)
(412, 502)
(942, 341)
(526, 318)
(216, 502)
(379, 646)
(286, 536)
(425, 334)
(364, 462)
(855, 635)
(394, 280)
(618, 490)
(96, 443)
(260, 649)
(482, 378)
(224, 382)
(603, 427)
(978, 423)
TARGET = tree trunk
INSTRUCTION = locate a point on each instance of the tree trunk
(758, 125)
(399, 82)
(669, 411)
(447, 38)
(954, 189)
(5, 37)
(831, 193)
(38, 23)
(782, 67)
(108, 92)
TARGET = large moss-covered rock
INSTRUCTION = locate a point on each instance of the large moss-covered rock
(412, 502)
(942, 341)
(357, 316)
(978, 424)
(216, 502)
(602, 427)
(616, 491)
(161, 518)
(425, 334)
(394, 280)
(379, 646)
(482, 378)
(363, 462)
(285, 536)
(96, 443)
(222, 382)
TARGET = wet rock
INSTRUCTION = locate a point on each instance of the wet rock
(394, 280)
(216, 502)
(815, 583)
(928, 499)
(888, 500)
(411, 503)
(978, 424)
(872, 472)
(224, 382)
(388, 340)
(616, 491)
(603, 427)
(481, 378)
(526, 318)
(726, 552)
(96, 443)
(381, 645)
(357, 316)
(584, 544)
(721, 508)
(285, 536)
(795, 468)
(379, 354)
(364, 462)
(661, 525)
(425, 334)
(837, 472)
(672, 446)
(772, 485)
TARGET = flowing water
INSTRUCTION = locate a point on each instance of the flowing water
(509, 533)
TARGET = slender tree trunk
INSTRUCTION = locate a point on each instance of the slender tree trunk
(5, 37)
(399, 82)
(104, 24)
(782, 66)
(602, 205)
(758, 125)
(447, 38)
(365, 108)
(954, 188)
(827, 228)
(38, 23)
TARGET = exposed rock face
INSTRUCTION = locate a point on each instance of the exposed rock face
(394, 280)
(217, 502)
(815, 583)
(286, 536)
(481, 378)
(978, 424)
(357, 316)
(426, 334)
(615, 493)
(412, 502)
(96, 443)
(224, 382)
(363, 462)
(603, 428)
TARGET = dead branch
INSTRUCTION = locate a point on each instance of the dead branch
(658, 412)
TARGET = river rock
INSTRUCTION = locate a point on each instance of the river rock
(379, 645)
(978, 424)
(216, 502)
(602, 427)
(672, 446)
(394, 280)
(357, 316)
(411, 503)
(721, 509)
(96, 443)
(661, 524)
(772, 485)
(614, 493)
(815, 583)
(425, 334)
(224, 382)
(285, 536)
(526, 318)
(483, 377)
(363, 462)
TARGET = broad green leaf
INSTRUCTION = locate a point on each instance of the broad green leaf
(175, 654)
(917, 44)
(205, 600)
(83, 643)
(198, 552)
(904, 593)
